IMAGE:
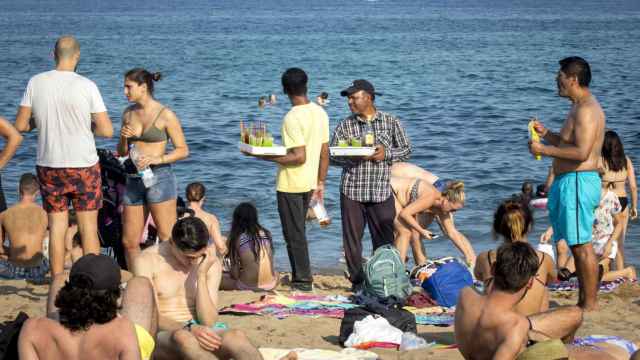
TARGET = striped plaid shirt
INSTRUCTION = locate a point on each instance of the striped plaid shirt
(368, 181)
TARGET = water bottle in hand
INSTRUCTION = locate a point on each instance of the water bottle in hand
(148, 178)
(320, 212)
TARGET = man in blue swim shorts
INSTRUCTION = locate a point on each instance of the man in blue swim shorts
(575, 192)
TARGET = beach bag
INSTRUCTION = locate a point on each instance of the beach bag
(385, 275)
(445, 284)
(9, 333)
(397, 317)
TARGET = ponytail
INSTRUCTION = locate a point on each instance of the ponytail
(142, 76)
(512, 220)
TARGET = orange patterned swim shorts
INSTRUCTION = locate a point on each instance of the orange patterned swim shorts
(81, 186)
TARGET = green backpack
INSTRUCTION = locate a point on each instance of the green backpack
(385, 275)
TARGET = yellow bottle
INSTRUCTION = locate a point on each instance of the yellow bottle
(533, 134)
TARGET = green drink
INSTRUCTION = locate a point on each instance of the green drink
(343, 143)
(355, 142)
(267, 141)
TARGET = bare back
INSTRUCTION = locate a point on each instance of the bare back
(46, 339)
(585, 122)
(408, 170)
(537, 298)
(481, 331)
(26, 227)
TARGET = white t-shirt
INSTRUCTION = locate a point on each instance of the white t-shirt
(61, 103)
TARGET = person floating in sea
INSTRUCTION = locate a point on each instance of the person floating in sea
(149, 125)
(68, 111)
(575, 192)
(322, 99)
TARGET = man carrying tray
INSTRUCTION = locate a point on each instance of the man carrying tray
(301, 172)
(365, 192)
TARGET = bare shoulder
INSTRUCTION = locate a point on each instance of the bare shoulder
(169, 115)
(149, 257)
(468, 295)
(39, 325)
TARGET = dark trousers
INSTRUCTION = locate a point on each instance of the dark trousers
(292, 208)
(379, 218)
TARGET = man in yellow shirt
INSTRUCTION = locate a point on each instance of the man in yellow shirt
(301, 172)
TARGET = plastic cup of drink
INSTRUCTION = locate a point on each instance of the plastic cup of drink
(343, 143)
(252, 140)
(356, 142)
(267, 141)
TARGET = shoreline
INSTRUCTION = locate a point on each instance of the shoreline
(619, 315)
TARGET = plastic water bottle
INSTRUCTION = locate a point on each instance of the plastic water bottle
(321, 213)
(412, 341)
(148, 178)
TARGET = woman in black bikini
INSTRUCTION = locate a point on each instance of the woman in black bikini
(512, 220)
(618, 171)
(149, 126)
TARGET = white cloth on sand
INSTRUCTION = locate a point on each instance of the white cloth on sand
(318, 354)
(372, 329)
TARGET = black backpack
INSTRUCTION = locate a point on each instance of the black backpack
(395, 315)
(9, 333)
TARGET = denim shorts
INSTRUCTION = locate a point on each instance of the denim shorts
(165, 189)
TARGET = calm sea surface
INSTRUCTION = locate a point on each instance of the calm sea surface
(463, 76)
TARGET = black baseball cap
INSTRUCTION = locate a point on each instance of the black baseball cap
(358, 85)
(101, 270)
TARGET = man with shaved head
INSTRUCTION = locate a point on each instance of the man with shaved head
(68, 111)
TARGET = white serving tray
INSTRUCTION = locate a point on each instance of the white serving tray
(351, 150)
(263, 150)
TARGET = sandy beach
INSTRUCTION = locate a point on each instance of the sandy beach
(619, 315)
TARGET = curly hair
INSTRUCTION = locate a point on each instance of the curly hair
(80, 306)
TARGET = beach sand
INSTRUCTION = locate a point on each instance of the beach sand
(619, 314)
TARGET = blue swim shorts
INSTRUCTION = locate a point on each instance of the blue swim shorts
(165, 189)
(573, 199)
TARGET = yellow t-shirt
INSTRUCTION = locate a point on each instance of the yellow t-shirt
(304, 125)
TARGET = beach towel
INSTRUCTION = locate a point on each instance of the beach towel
(434, 315)
(594, 340)
(318, 354)
(572, 285)
(281, 306)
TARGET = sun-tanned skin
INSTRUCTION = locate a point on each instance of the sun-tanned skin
(45, 338)
(431, 203)
(577, 147)
(186, 288)
(489, 327)
(25, 223)
(537, 298)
